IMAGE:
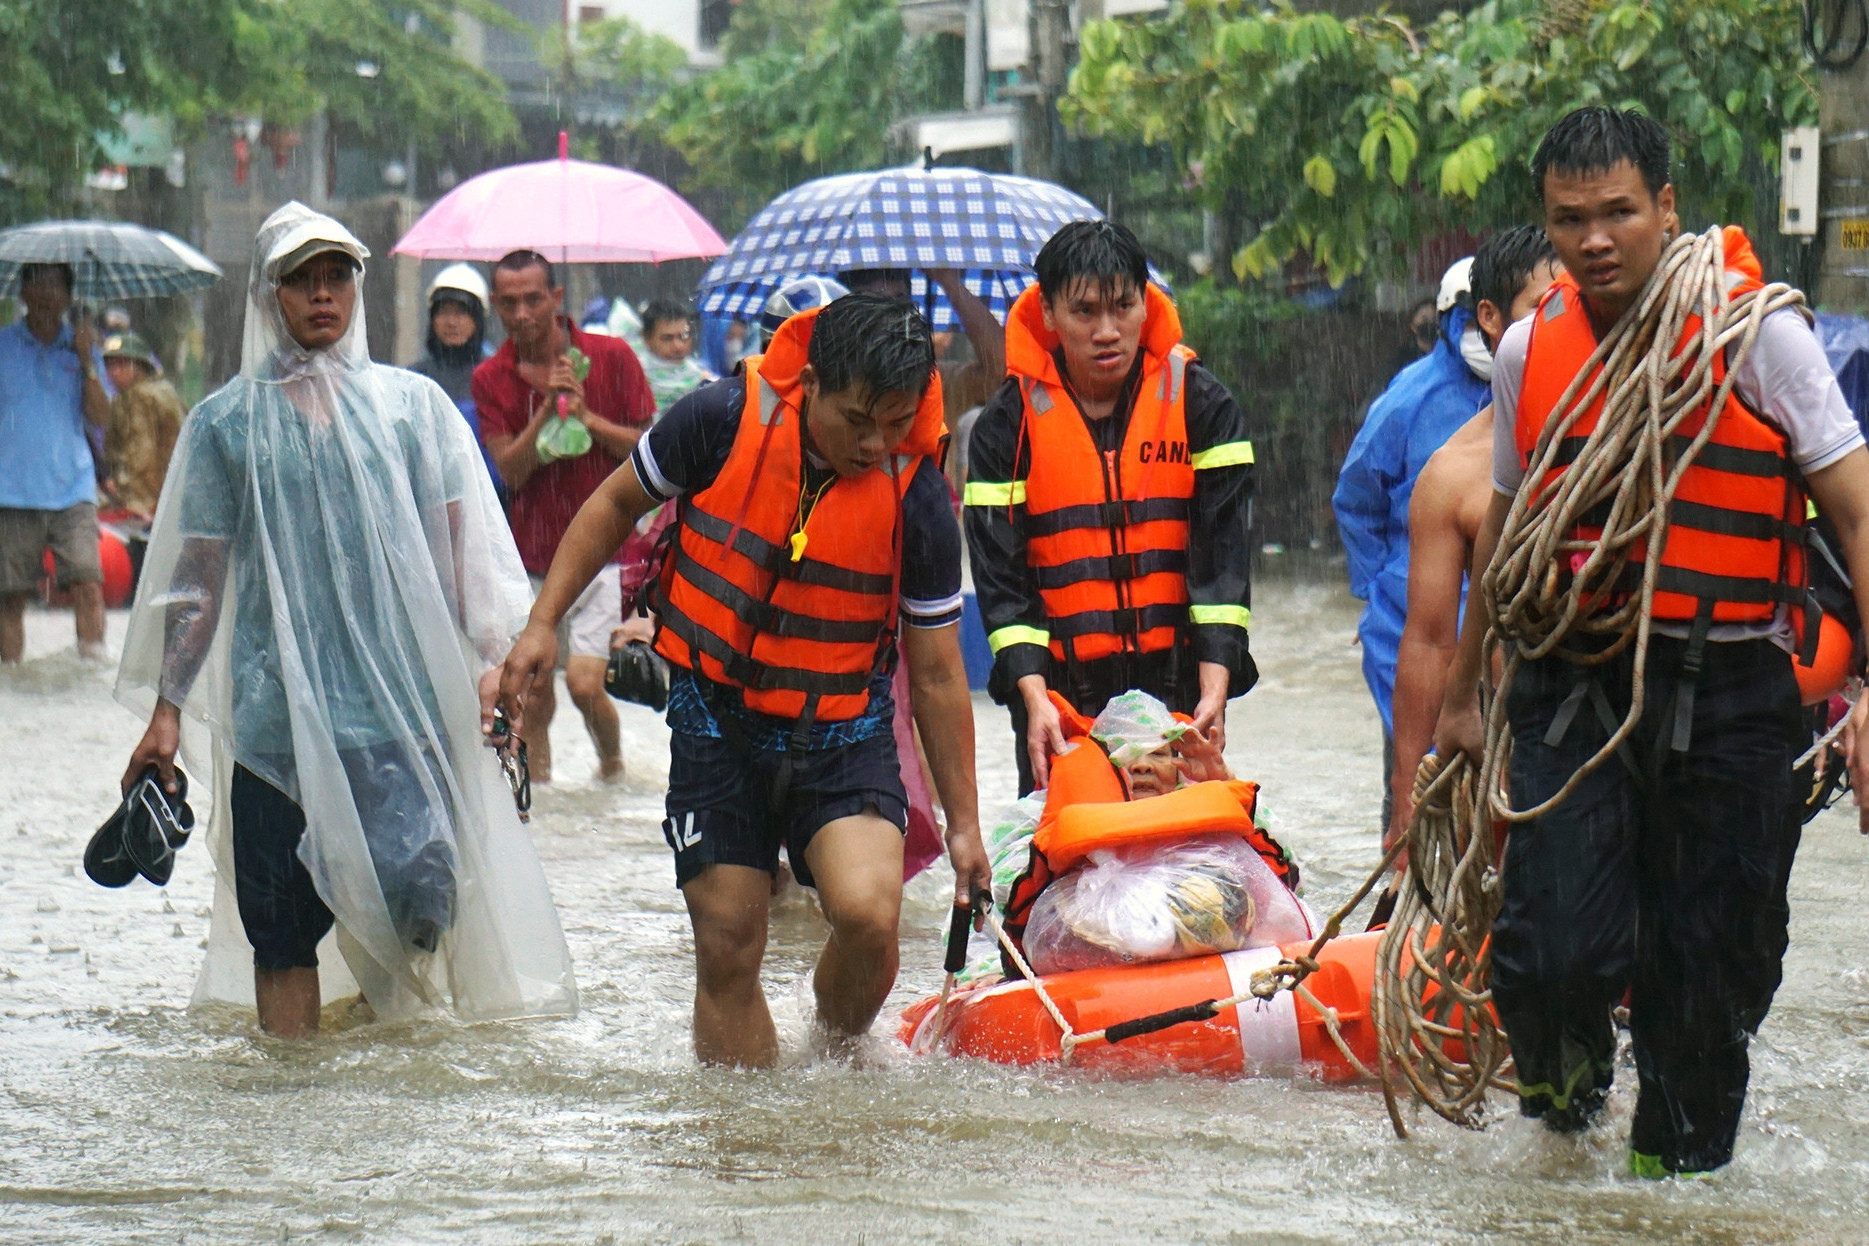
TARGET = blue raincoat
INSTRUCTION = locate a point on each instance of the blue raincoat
(1425, 404)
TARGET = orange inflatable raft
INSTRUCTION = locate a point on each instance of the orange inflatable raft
(1087, 809)
(1006, 1022)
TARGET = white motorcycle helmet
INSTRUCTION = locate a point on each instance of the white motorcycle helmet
(458, 279)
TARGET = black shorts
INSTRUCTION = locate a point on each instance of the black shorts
(280, 909)
(719, 800)
(411, 841)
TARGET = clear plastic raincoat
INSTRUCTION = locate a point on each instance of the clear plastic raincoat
(327, 574)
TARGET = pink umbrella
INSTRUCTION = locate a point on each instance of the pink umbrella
(568, 210)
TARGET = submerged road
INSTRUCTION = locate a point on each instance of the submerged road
(125, 1117)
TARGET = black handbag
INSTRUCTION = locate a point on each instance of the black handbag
(636, 674)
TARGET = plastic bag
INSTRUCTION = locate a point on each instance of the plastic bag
(1133, 725)
(1152, 902)
(563, 437)
(1009, 843)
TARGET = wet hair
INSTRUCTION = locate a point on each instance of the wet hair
(658, 310)
(880, 343)
(29, 273)
(1596, 140)
(1100, 252)
(520, 261)
(1505, 262)
(870, 280)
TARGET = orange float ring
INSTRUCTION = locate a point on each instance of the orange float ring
(113, 556)
(1007, 1024)
(1830, 668)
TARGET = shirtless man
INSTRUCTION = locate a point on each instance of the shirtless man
(1511, 272)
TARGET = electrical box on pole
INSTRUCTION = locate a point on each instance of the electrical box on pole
(1798, 213)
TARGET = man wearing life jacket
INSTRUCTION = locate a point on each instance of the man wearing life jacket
(1664, 874)
(1108, 503)
(814, 528)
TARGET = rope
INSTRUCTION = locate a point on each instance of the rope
(1264, 984)
(1823, 741)
(1648, 389)
(1433, 968)
(1433, 963)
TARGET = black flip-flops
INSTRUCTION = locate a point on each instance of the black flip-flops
(142, 835)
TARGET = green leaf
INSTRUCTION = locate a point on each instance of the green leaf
(1255, 259)
(1371, 149)
(1403, 144)
(1632, 54)
(1402, 88)
(1320, 176)
(1471, 101)
(1468, 167)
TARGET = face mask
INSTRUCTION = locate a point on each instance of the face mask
(1474, 354)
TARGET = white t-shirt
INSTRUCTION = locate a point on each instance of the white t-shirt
(1786, 380)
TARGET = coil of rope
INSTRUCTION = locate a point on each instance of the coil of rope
(1626, 466)
(1432, 1006)
(1433, 977)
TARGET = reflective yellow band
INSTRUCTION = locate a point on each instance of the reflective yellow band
(1016, 634)
(980, 493)
(1238, 616)
(1810, 508)
(1227, 454)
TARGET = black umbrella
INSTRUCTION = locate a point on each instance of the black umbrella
(111, 259)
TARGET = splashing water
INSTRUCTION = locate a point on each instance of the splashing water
(128, 1118)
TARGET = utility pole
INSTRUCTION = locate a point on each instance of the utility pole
(1843, 276)
(975, 76)
(1050, 62)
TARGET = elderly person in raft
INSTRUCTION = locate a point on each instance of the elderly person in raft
(1085, 878)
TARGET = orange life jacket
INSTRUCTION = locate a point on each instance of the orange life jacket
(1087, 807)
(1735, 547)
(799, 626)
(1106, 534)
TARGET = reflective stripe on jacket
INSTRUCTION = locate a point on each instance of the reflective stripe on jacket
(799, 626)
(1106, 533)
(1735, 541)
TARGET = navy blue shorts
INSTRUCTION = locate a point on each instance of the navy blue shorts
(719, 800)
(280, 909)
(411, 840)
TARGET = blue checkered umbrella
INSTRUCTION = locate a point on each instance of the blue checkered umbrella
(110, 259)
(988, 225)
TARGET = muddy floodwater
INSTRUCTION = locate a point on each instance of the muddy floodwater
(125, 1117)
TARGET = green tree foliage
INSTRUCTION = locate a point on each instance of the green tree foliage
(1351, 139)
(799, 99)
(384, 72)
(620, 54)
(70, 68)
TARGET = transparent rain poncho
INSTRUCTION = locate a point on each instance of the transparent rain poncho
(327, 575)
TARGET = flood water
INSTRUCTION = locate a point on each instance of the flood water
(125, 1117)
